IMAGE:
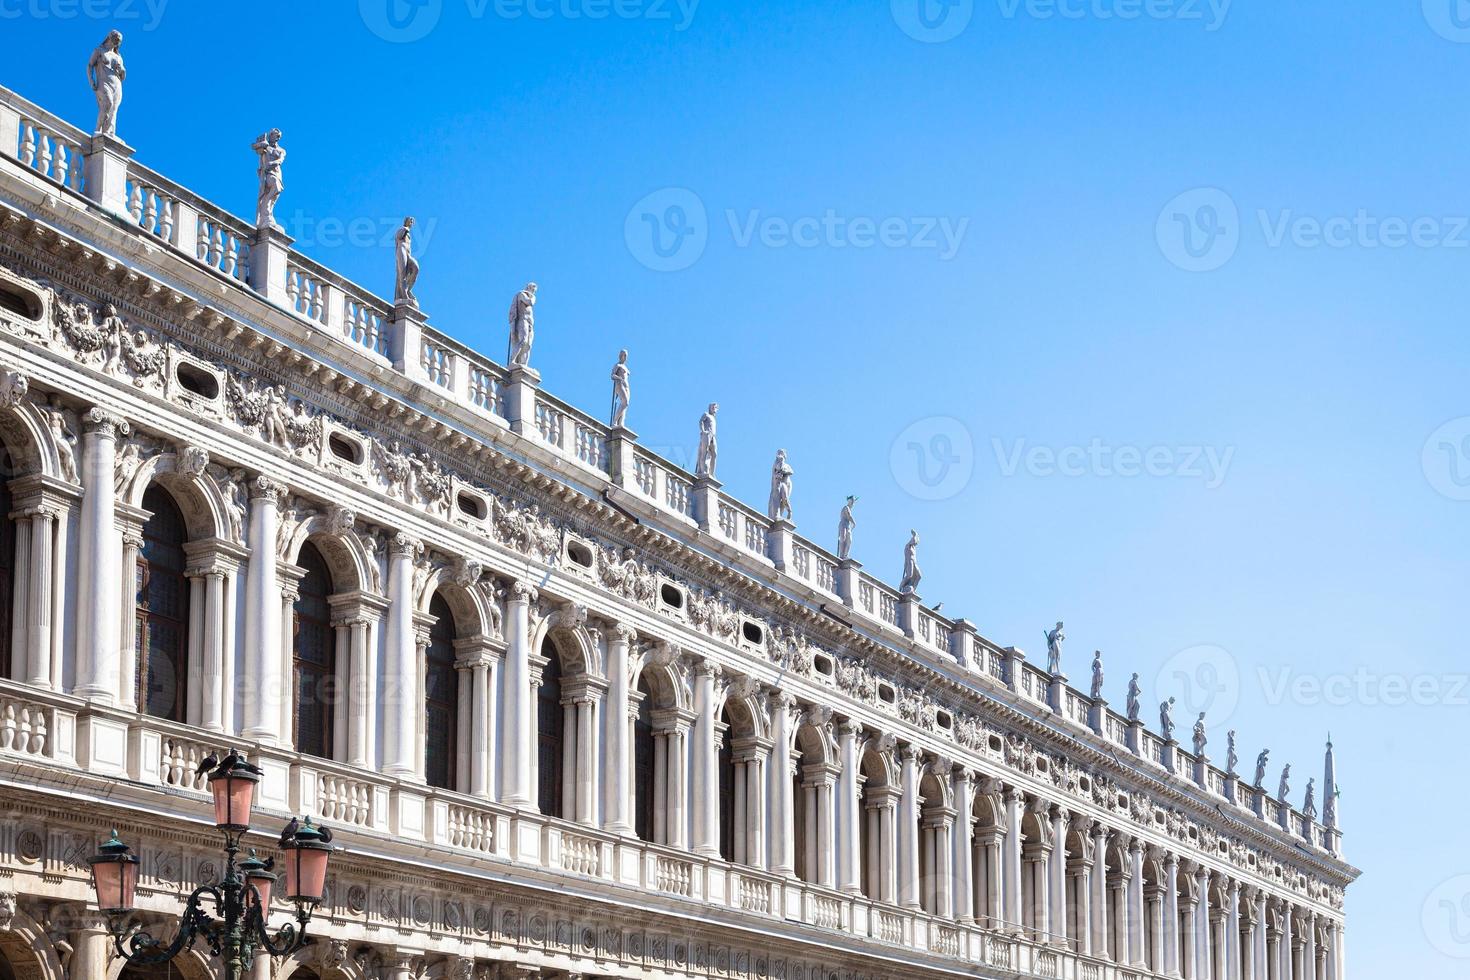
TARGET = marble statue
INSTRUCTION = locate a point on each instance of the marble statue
(709, 448)
(779, 506)
(1135, 699)
(622, 393)
(1054, 638)
(105, 73)
(408, 266)
(1284, 790)
(1097, 675)
(1200, 739)
(845, 524)
(1232, 758)
(911, 574)
(1261, 761)
(272, 156)
(1166, 720)
(1310, 806)
(522, 319)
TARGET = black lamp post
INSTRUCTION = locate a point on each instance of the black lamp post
(236, 927)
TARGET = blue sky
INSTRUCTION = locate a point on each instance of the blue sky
(1041, 242)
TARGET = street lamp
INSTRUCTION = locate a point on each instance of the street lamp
(237, 929)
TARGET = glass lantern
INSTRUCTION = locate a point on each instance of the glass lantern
(256, 875)
(306, 865)
(233, 786)
(114, 876)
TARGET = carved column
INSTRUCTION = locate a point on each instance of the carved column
(908, 829)
(1037, 857)
(99, 557)
(1171, 915)
(130, 529)
(750, 801)
(1232, 932)
(1122, 908)
(1012, 897)
(20, 594)
(783, 858)
(402, 704)
(849, 870)
(1309, 946)
(617, 814)
(1204, 950)
(1136, 953)
(1154, 895)
(706, 760)
(38, 650)
(963, 787)
(583, 714)
(1057, 874)
(518, 730)
(263, 676)
(1189, 956)
(1079, 876)
(92, 949)
(1099, 890)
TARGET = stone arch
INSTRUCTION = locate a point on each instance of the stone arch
(564, 634)
(207, 513)
(327, 959)
(28, 950)
(663, 675)
(470, 605)
(26, 431)
(190, 964)
(352, 565)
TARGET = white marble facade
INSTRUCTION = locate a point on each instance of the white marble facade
(482, 636)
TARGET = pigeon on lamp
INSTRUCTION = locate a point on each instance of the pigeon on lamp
(326, 834)
(290, 831)
(206, 764)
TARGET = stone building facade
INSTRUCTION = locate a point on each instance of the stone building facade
(570, 709)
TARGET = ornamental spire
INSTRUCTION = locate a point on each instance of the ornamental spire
(1329, 788)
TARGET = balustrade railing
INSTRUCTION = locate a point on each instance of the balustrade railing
(54, 156)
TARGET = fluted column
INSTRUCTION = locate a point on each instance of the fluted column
(849, 868)
(1204, 953)
(1232, 932)
(37, 650)
(1309, 945)
(1099, 890)
(1136, 953)
(1057, 873)
(1122, 907)
(1079, 878)
(963, 788)
(617, 814)
(783, 857)
(131, 536)
(212, 653)
(20, 595)
(263, 675)
(1171, 915)
(908, 828)
(706, 778)
(751, 785)
(99, 557)
(1014, 919)
(403, 707)
(517, 723)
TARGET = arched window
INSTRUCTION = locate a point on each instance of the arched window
(315, 655)
(162, 607)
(441, 691)
(643, 756)
(549, 736)
(7, 571)
(726, 767)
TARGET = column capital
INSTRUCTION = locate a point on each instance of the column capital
(520, 591)
(622, 632)
(103, 422)
(405, 546)
(264, 488)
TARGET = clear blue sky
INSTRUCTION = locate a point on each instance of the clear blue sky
(1327, 545)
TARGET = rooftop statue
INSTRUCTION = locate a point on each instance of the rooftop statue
(408, 266)
(1261, 761)
(911, 573)
(1166, 720)
(522, 319)
(1097, 675)
(779, 505)
(1135, 699)
(709, 447)
(1200, 739)
(272, 155)
(621, 392)
(1054, 638)
(105, 73)
(845, 524)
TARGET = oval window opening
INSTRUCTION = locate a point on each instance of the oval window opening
(753, 633)
(580, 554)
(196, 379)
(823, 665)
(345, 448)
(19, 301)
(672, 596)
(471, 505)
(886, 694)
